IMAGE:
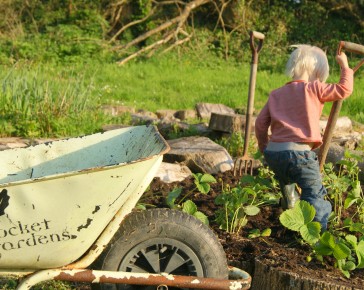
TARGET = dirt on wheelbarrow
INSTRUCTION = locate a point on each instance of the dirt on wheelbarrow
(282, 250)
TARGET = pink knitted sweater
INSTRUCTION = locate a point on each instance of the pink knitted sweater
(293, 111)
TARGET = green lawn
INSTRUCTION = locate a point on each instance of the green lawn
(47, 100)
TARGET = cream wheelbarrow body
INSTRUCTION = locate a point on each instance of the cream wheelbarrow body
(63, 207)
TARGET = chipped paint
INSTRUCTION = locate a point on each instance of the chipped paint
(168, 276)
(4, 201)
(235, 285)
(196, 281)
(85, 226)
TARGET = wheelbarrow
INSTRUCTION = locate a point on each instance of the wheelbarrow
(67, 212)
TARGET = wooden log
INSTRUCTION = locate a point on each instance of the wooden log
(267, 278)
(228, 123)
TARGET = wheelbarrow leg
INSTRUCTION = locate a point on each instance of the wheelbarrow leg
(239, 279)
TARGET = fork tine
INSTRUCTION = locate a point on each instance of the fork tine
(251, 167)
(243, 165)
(236, 166)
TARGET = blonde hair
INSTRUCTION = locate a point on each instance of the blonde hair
(310, 59)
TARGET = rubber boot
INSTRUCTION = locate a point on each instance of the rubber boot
(290, 196)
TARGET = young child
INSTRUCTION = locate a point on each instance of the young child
(293, 112)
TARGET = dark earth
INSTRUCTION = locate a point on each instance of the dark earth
(281, 250)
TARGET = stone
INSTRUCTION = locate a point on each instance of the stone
(200, 154)
(185, 114)
(145, 117)
(201, 129)
(112, 127)
(117, 110)
(343, 126)
(166, 114)
(204, 110)
(337, 153)
(173, 172)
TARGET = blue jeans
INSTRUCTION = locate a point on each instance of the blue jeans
(302, 168)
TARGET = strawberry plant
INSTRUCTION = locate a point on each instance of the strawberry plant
(202, 185)
(346, 249)
(256, 233)
(300, 219)
(242, 201)
(344, 180)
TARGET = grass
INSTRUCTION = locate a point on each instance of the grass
(48, 100)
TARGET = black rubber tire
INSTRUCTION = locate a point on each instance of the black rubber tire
(164, 230)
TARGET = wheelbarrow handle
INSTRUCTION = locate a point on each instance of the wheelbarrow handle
(336, 107)
(256, 48)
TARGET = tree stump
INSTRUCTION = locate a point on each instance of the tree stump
(267, 278)
(228, 123)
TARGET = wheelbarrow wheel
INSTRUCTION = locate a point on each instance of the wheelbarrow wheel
(162, 240)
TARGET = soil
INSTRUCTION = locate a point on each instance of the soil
(281, 250)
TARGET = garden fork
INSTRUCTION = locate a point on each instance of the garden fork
(245, 163)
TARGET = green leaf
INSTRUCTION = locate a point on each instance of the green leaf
(341, 251)
(266, 232)
(172, 196)
(360, 254)
(323, 250)
(357, 227)
(328, 240)
(345, 273)
(208, 178)
(349, 266)
(308, 211)
(311, 232)
(240, 213)
(197, 176)
(251, 210)
(202, 217)
(348, 222)
(141, 206)
(254, 233)
(356, 188)
(250, 191)
(242, 222)
(332, 176)
(247, 179)
(203, 187)
(291, 220)
(189, 207)
(353, 241)
(349, 201)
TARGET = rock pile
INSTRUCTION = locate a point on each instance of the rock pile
(198, 153)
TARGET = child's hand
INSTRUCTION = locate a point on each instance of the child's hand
(342, 60)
